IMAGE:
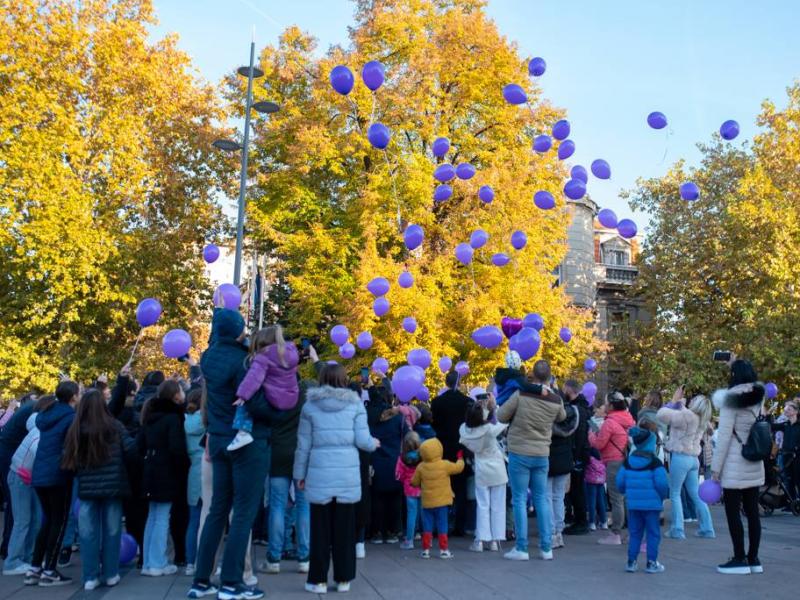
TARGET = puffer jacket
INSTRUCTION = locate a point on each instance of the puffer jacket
(507, 381)
(643, 478)
(433, 475)
(194, 430)
(333, 426)
(278, 382)
(404, 474)
(613, 436)
(738, 407)
(561, 457)
(111, 479)
(52, 424)
(490, 464)
(684, 435)
(595, 471)
(162, 443)
(12, 434)
(531, 419)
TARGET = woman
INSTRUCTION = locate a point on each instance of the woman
(686, 428)
(333, 426)
(96, 449)
(739, 407)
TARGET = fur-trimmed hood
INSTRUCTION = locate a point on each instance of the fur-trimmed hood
(744, 395)
(568, 426)
(331, 399)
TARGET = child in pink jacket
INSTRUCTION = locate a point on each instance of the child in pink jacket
(404, 471)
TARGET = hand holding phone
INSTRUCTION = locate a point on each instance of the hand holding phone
(722, 356)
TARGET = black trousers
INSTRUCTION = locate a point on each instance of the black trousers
(734, 501)
(333, 531)
(460, 503)
(577, 496)
(386, 513)
(8, 516)
(179, 523)
(55, 501)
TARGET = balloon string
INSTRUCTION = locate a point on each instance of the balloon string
(136, 344)
(372, 112)
(355, 113)
(666, 145)
(472, 272)
(394, 188)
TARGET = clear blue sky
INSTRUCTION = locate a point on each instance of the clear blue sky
(608, 64)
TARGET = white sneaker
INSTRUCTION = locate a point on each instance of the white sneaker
(516, 555)
(604, 526)
(169, 570)
(477, 546)
(494, 547)
(361, 550)
(92, 584)
(20, 570)
(445, 554)
(317, 588)
(303, 566)
(269, 568)
(558, 541)
(111, 582)
(250, 580)
(152, 572)
(546, 555)
(190, 570)
(240, 441)
(344, 586)
(592, 527)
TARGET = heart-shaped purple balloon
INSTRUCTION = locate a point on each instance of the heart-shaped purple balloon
(510, 326)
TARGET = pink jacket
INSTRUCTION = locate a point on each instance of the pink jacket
(279, 382)
(613, 436)
(403, 473)
(595, 472)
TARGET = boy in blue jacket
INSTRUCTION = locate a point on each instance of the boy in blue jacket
(643, 480)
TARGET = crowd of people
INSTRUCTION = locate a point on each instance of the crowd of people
(243, 450)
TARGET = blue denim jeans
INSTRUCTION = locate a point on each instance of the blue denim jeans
(412, 516)
(556, 490)
(640, 521)
(684, 469)
(525, 472)
(192, 532)
(435, 518)
(689, 511)
(278, 500)
(156, 532)
(27, 520)
(242, 420)
(100, 530)
(71, 532)
(596, 503)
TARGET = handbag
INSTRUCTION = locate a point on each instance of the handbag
(758, 446)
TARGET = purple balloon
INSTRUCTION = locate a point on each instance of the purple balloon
(526, 343)
(537, 66)
(445, 363)
(381, 306)
(380, 365)
(342, 79)
(211, 253)
(176, 343)
(771, 390)
(413, 236)
(486, 194)
(544, 200)
(339, 335)
(542, 143)
(347, 350)
(364, 340)
(378, 287)
(442, 192)
(127, 548)
(514, 94)
(589, 391)
(566, 149)
(575, 189)
(488, 336)
(478, 239)
(379, 135)
(561, 129)
(444, 172)
(423, 394)
(500, 259)
(710, 491)
(462, 368)
(148, 312)
(590, 365)
(579, 172)
(627, 228)
(657, 120)
(729, 130)
(607, 218)
(519, 239)
(228, 295)
(373, 74)
(689, 191)
(419, 357)
(405, 280)
(565, 334)
(441, 146)
(464, 253)
(465, 171)
(534, 321)
(601, 169)
(410, 324)
(405, 382)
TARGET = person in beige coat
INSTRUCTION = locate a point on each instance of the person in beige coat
(739, 407)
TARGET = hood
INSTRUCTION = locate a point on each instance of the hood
(643, 440)
(431, 450)
(622, 417)
(226, 324)
(472, 433)
(331, 399)
(160, 408)
(290, 355)
(54, 415)
(643, 456)
(568, 426)
(744, 395)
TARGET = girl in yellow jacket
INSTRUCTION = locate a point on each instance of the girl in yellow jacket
(433, 476)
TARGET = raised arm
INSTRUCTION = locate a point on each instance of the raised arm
(254, 378)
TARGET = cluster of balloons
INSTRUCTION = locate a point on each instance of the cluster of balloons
(373, 74)
(176, 342)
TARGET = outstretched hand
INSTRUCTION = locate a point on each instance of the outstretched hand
(460, 455)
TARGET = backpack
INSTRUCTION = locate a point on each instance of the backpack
(759, 442)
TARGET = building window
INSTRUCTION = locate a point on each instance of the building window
(618, 325)
(616, 257)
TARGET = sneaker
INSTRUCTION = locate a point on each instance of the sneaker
(53, 579)
(612, 539)
(576, 529)
(152, 572)
(392, 539)
(271, 568)
(558, 541)
(755, 565)
(65, 558)
(407, 545)
(690, 520)
(317, 588)
(709, 535)
(445, 554)
(734, 566)
(604, 526)
(32, 577)
(632, 566)
(494, 546)
(92, 584)
(546, 555)
(250, 580)
(303, 566)
(653, 566)
(425, 554)
(417, 537)
(169, 570)
(200, 590)
(240, 441)
(20, 570)
(239, 592)
(361, 550)
(674, 535)
(343, 586)
(112, 581)
(516, 555)
(190, 570)
(376, 540)
(476, 546)
(592, 527)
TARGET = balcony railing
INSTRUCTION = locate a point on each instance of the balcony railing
(616, 273)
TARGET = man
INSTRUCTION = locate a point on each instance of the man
(580, 452)
(531, 416)
(449, 413)
(790, 446)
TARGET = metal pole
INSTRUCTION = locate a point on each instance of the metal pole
(237, 265)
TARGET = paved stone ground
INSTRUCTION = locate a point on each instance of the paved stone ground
(583, 570)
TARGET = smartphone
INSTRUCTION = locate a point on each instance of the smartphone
(722, 355)
(364, 374)
(305, 342)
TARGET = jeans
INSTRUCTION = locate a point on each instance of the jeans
(412, 516)
(617, 498)
(156, 532)
(192, 532)
(242, 420)
(747, 500)
(435, 518)
(556, 490)
(71, 532)
(596, 503)
(27, 520)
(689, 511)
(684, 470)
(100, 530)
(238, 483)
(525, 472)
(640, 521)
(278, 499)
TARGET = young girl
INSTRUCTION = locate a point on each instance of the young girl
(404, 471)
(96, 449)
(595, 491)
(194, 430)
(433, 476)
(479, 435)
(273, 367)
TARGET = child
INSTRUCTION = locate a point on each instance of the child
(194, 429)
(404, 471)
(273, 367)
(595, 491)
(643, 480)
(433, 476)
(479, 435)
(424, 425)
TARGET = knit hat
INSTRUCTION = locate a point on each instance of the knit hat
(513, 360)
(639, 436)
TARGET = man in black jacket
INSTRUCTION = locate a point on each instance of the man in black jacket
(580, 451)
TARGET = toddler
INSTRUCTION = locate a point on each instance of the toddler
(595, 491)
(404, 471)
